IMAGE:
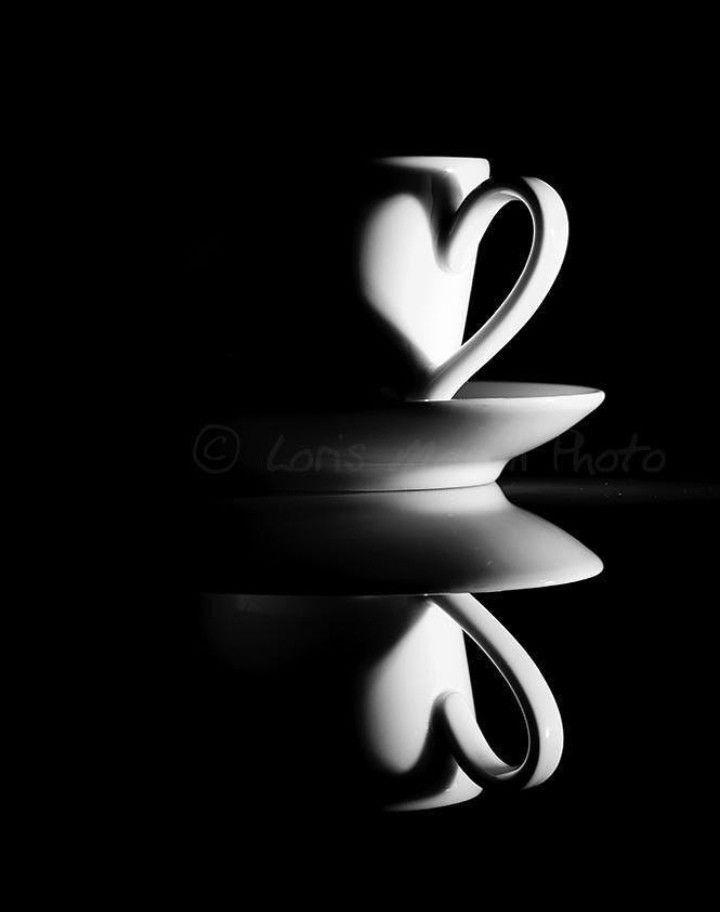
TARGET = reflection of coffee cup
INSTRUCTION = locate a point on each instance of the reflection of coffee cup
(416, 256)
(372, 694)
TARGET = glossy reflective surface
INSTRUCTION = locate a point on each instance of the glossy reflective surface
(198, 751)
(410, 735)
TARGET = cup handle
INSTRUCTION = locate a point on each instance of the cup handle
(459, 244)
(542, 716)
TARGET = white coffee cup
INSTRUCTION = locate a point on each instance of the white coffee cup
(416, 257)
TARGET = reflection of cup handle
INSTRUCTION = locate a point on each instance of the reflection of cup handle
(542, 717)
(550, 237)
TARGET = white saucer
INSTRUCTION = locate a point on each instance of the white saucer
(402, 446)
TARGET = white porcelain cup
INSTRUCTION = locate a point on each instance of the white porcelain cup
(416, 258)
(371, 695)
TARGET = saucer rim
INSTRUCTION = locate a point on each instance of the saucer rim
(554, 393)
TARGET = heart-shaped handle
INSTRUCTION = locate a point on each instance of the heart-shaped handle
(540, 711)
(457, 247)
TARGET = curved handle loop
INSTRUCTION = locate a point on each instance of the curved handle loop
(542, 716)
(550, 237)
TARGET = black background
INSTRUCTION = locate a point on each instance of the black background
(242, 206)
(244, 246)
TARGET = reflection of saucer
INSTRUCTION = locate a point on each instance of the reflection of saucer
(453, 540)
(402, 446)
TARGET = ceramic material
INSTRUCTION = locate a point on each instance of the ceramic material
(417, 254)
(399, 667)
(402, 542)
(413, 445)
